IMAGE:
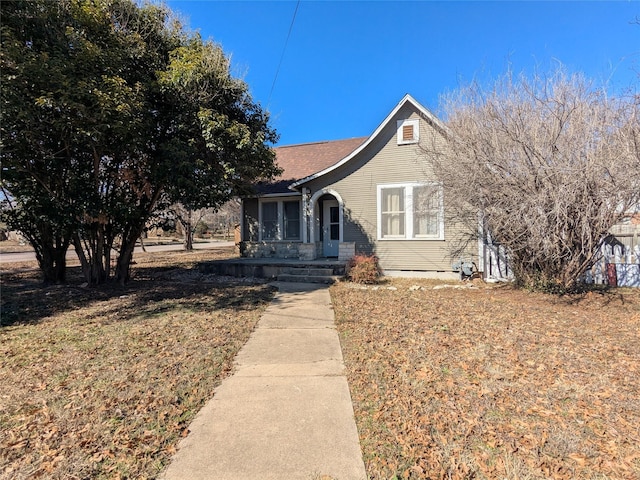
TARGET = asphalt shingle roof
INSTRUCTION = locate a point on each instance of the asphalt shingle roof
(300, 161)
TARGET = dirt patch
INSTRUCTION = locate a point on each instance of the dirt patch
(477, 381)
(102, 383)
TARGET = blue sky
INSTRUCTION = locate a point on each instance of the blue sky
(347, 64)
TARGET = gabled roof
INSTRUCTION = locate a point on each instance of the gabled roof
(304, 162)
(300, 161)
(407, 99)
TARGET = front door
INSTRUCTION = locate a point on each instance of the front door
(330, 228)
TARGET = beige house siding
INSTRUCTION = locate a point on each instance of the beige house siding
(381, 162)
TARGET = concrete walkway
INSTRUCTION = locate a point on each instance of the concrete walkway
(286, 412)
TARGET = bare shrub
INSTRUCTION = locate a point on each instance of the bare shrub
(363, 269)
(550, 162)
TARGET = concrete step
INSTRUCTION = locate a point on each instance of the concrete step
(269, 268)
(297, 278)
(313, 271)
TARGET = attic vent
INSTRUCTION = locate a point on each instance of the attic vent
(408, 131)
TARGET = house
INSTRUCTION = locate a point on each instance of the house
(373, 195)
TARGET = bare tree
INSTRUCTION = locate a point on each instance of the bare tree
(223, 220)
(550, 163)
(188, 219)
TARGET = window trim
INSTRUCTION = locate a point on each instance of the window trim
(408, 212)
(415, 123)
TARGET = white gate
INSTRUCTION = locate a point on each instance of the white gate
(619, 265)
(495, 261)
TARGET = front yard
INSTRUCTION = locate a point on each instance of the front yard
(447, 383)
(102, 383)
(488, 382)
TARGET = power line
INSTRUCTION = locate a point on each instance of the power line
(293, 19)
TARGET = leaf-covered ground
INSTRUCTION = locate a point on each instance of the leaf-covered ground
(102, 383)
(488, 382)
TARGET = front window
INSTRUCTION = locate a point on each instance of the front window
(393, 213)
(270, 221)
(412, 211)
(291, 220)
(280, 220)
(426, 210)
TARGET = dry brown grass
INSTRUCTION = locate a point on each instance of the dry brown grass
(102, 383)
(492, 382)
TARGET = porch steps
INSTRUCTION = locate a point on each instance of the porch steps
(274, 268)
(308, 275)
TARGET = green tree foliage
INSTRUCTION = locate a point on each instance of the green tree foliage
(109, 107)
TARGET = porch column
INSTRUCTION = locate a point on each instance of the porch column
(305, 214)
(312, 220)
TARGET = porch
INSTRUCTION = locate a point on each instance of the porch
(324, 270)
(283, 250)
(295, 226)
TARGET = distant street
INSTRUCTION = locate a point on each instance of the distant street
(30, 256)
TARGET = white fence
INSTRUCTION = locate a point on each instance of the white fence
(618, 266)
(495, 262)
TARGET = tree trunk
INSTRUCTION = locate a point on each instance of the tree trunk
(123, 265)
(188, 232)
(53, 264)
(130, 236)
(125, 255)
(51, 254)
(91, 253)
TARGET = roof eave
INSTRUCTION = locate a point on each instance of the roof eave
(273, 195)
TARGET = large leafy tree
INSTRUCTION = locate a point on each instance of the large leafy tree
(38, 136)
(110, 107)
(550, 162)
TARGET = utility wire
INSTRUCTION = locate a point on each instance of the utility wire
(293, 19)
